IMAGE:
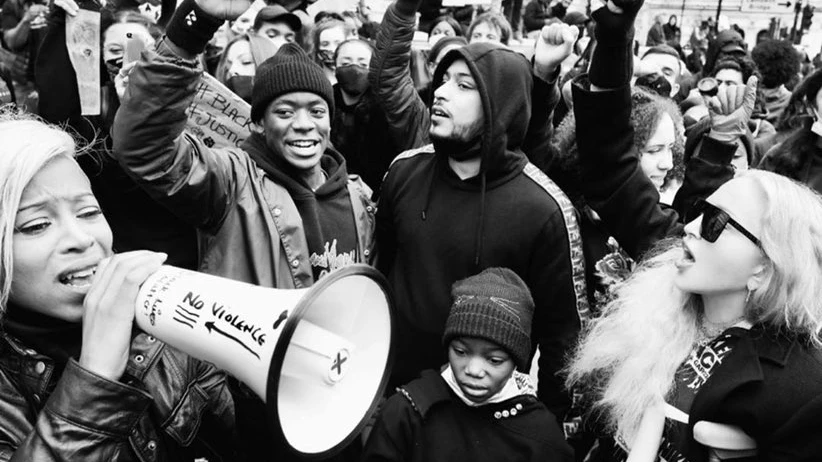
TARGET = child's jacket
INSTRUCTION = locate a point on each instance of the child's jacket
(426, 422)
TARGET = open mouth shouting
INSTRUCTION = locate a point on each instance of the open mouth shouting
(78, 279)
(687, 258)
(438, 111)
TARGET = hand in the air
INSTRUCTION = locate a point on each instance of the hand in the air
(730, 110)
(554, 44)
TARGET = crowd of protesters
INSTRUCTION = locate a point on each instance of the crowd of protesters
(649, 222)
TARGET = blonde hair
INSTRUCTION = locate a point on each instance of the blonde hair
(627, 358)
(28, 145)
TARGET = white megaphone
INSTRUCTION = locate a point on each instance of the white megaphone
(318, 357)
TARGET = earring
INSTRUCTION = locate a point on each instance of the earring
(747, 295)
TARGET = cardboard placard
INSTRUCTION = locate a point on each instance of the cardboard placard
(83, 44)
(217, 116)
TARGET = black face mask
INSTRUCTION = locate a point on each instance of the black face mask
(241, 85)
(113, 67)
(353, 79)
(327, 57)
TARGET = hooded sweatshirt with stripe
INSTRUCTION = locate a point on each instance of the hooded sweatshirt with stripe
(435, 229)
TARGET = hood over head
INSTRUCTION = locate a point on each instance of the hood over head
(504, 81)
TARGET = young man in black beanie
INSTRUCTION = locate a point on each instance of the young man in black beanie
(280, 210)
(478, 408)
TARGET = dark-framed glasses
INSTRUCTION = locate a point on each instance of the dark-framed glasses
(714, 221)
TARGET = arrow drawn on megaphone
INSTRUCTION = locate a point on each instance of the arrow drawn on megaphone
(212, 328)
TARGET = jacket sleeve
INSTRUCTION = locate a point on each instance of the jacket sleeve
(390, 77)
(87, 417)
(385, 232)
(556, 320)
(391, 439)
(798, 439)
(612, 181)
(544, 98)
(704, 174)
(177, 170)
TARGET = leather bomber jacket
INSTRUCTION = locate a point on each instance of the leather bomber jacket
(167, 406)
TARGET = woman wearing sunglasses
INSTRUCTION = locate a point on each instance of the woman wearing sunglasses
(717, 332)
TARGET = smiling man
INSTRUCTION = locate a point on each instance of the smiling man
(280, 210)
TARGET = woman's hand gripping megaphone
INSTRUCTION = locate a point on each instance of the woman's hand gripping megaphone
(224, 9)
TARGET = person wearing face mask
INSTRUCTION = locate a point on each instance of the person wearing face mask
(359, 129)
(799, 154)
(328, 35)
(240, 60)
(138, 221)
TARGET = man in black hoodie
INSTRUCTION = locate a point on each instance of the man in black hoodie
(470, 201)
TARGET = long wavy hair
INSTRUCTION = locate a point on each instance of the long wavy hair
(28, 145)
(627, 358)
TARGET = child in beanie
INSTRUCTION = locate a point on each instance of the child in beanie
(479, 408)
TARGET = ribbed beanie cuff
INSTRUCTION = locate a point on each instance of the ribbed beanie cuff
(288, 71)
(477, 319)
(494, 305)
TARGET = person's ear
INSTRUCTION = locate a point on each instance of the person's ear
(760, 273)
(674, 89)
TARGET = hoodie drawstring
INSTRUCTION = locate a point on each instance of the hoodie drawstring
(481, 227)
(431, 178)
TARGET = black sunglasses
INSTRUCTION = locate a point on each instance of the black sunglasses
(714, 221)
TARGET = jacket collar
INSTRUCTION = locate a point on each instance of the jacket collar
(742, 366)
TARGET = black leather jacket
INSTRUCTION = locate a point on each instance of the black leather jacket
(167, 406)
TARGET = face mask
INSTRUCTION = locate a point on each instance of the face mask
(327, 57)
(241, 85)
(113, 67)
(817, 124)
(353, 79)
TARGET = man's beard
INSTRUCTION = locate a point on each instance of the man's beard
(463, 143)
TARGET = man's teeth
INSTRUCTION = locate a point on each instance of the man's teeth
(302, 144)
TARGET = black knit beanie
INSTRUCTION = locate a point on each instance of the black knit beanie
(494, 305)
(288, 71)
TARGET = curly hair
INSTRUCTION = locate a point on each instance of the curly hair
(777, 61)
(646, 113)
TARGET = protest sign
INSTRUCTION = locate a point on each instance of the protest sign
(83, 44)
(217, 116)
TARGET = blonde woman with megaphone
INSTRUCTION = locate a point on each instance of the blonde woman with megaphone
(77, 380)
(712, 348)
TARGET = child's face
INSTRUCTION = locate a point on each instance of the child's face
(480, 367)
